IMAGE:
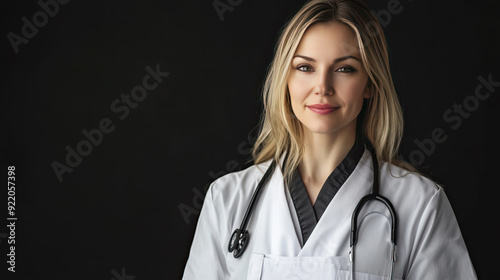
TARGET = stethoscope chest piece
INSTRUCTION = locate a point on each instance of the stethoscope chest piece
(238, 242)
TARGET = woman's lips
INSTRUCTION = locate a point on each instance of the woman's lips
(322, 109)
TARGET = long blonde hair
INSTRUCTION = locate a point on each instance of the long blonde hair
(382, 118)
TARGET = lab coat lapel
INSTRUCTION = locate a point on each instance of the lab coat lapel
(330, 237)
(274, 231)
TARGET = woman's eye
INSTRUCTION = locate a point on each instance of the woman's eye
(346, 69)
(304, 68)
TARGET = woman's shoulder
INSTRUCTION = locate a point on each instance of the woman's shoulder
(230, 194)
(414, 195)
(411, 182)
(239, 183)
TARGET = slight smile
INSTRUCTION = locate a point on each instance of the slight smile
(322, 109)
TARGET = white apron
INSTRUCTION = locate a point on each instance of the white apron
(267, 267)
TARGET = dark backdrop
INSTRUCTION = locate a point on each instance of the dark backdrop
(127, 207)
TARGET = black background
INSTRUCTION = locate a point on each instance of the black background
(118, 211)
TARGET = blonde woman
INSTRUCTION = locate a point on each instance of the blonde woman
(328, 197)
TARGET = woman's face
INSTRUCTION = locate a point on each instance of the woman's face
(327, 82)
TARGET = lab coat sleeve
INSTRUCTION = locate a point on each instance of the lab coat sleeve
(206, 258)
(439, 251)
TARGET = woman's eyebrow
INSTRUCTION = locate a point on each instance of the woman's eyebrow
(335, 61)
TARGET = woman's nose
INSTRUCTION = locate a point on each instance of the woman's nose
(324, 83)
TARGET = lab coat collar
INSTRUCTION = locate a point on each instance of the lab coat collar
(337, 215)
(274, 209)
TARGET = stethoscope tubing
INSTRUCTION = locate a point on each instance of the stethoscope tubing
(240, 237)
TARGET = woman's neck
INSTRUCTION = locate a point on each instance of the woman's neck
(323, 153)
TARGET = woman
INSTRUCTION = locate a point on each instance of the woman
(332, 124)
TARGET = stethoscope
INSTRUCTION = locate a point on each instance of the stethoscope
(239, 238)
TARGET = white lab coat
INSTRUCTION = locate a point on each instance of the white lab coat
(430, 245)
